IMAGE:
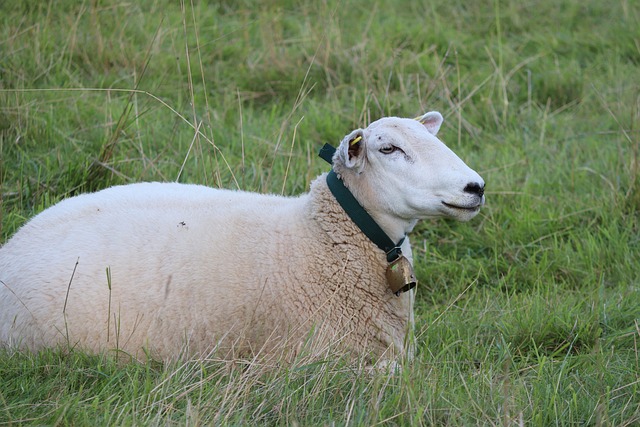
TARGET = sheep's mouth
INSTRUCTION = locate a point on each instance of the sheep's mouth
(473, 208)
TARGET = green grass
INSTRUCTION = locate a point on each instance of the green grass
(529, 314)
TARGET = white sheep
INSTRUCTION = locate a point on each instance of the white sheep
(156, 269)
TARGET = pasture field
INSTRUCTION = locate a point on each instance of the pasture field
(527, 315)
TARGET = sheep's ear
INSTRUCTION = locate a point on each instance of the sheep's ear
(352, 150)
(432, 121)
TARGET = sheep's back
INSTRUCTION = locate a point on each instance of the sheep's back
(145, 262)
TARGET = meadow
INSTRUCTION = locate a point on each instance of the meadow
(527, 315)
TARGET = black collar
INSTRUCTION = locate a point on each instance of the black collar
(357, 213)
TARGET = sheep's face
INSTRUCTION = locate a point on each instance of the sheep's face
(399, 167)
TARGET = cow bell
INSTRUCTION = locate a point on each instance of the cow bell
(400, 275)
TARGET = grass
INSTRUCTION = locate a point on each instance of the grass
(528, 315)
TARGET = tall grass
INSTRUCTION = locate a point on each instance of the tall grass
(528, 315)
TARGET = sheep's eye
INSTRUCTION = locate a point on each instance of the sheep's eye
(388, 149)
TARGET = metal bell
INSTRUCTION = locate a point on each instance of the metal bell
(400, 275)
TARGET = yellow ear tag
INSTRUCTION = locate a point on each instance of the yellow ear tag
(355, 140)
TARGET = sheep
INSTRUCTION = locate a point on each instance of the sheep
(154, 270)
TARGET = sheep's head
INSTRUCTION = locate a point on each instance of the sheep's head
(398, 168)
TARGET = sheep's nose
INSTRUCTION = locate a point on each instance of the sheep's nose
(475, 188)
